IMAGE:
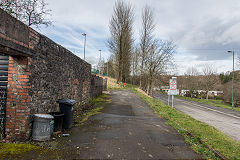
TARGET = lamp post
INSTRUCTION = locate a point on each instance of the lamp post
(107, 68)
(232, 80)
(99, 65)
(100, 54)
(85, 35)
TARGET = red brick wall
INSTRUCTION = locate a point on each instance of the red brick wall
(18, 98)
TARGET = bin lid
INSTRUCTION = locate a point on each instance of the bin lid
(67, 101)
(46, 116)
(56, 113)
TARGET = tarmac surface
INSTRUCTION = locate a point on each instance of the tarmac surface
(225, 120)
(129, 129)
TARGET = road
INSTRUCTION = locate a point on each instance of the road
(225, 120)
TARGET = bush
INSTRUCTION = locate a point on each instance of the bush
(202, 95)
(218, 97)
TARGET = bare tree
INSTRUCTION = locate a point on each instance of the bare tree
(210, 78)
(160, 54)
(121, 41)
(135, 63)
(111, 67)
(155, 54)
(191, 81)
(147, 30)
(100, 65)
(192, 71)
(31, 12)
(12, 7)
(35, 12)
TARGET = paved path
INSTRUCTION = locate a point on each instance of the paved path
(225, 120)
(128, 129)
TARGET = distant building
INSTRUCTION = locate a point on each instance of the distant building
(215, 93)
(183, 92)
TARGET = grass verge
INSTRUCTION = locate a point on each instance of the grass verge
(208, 135)
(213, 102)
(7, 149)
(97, 104)
(112, 84)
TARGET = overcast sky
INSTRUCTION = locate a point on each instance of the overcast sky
(203, 30)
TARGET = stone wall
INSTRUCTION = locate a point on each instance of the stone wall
(105, 84)
(40, 72)
(57, 73)
(96, 86)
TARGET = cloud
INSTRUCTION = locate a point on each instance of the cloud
(92, 60)
(203, 30)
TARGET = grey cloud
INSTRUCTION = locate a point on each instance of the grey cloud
(203, 29)
(211, 40)
(92, 60)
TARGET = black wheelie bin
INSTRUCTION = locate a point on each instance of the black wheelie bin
(66, 107)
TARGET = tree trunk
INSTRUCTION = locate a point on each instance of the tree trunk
(140, 82)
(120, 61)
(141, 73)
(207, 96)
(150, 86)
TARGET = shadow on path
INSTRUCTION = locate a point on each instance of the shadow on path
(127, 129)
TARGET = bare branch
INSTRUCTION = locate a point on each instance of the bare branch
(31, 12)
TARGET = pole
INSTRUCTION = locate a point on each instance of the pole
(172, 100)
(85, 35)
(233, 84)
(168, 99)
(107, 68)
(85, 46)
(100, 62)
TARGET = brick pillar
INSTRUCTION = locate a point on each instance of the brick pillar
(18, 99)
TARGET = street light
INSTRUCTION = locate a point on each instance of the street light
(99, 63)
(100, 54)
(107, 68)
(232, 80)
(85, 35)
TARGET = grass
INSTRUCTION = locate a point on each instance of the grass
(112, 84)
(97, 106)
(213, 102)
(9, 149)
(90, 113)
(211, 137)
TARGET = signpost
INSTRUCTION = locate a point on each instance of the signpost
(172, 89)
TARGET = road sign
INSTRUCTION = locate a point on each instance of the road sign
(172, 89)
(173, 86)
(173, 92)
